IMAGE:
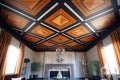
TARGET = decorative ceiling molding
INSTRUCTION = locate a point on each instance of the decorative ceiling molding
(44, 25)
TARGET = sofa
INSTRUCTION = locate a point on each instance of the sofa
(9, 77)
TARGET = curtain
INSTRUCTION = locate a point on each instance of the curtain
(102, 59)
(101, 54)
(115, 37)
(5, 40)
(20, 59)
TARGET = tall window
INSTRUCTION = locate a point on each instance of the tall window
(12, 57)
(108, 56)
(111, 64)
(115, 37)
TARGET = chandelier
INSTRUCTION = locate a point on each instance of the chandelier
(60, 55)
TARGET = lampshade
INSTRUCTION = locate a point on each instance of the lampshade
(26, 60)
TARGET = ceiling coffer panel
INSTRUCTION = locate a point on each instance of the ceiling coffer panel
(13, 19)
(32, 7)
(42, 31)
(88, 39)
(60, 39)
(60, 19)
(104, 21)
(45, 25)
(89, 7)
(78, 31)
(31, 39)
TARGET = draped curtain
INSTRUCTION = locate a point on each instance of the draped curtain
(115, 37)
(101, 54)
(102, 59)
(5, 40)
(20, 59)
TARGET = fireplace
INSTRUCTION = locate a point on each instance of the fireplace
(58, 71)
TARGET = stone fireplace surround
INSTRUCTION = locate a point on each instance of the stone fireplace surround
(59, 67)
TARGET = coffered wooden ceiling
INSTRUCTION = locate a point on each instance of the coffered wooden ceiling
(44, 25)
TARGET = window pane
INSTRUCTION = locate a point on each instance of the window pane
(111, 59)
(12, 60)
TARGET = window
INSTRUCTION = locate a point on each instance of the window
(110, 57)
(12, 57)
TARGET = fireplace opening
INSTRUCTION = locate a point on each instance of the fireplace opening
(59, 71)
(60, 74)
(65, 74)
(53, 74)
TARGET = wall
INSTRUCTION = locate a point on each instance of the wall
(80, 62)
(34, 57)
(15, 43)
(50, 58)
(92, 54)
(69, 58)
(39, 57)
(28, 53)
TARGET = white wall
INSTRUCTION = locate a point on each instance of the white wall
(50, 58)
(34, 57)
(39, 57)
(28, 53)
(92, 54)
(80, 61)
(15, 43)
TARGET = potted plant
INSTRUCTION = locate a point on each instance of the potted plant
(35, 67)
